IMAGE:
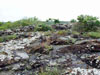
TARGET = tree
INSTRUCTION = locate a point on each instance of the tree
(56, 21)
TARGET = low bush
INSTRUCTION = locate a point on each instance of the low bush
(48, 48)
(54, 71)
(75, 33)
(48, 33)
(87, 23)
(62, 32)
(43, 27)
(93, 34)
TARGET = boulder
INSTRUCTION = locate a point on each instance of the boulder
(92, 60)
(27, 28)
(8, 32)
(57, 40)
(83, 47)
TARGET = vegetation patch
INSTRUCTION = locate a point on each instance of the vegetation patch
(93, 34)
(48, 33)
(75, 33)
(62, 32)
(19, 23)
(43, 27)
(7, 38)
(53, 71)
(48, 47)
(87, 23)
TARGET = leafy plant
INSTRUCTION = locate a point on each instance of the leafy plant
(54, 71)
(62, 32)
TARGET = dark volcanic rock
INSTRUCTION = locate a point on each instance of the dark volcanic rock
(84, 47)
(35, 47)
(92, 60)
(27, 28)
(59, 27)
(6, 32)
(57, 40)
(1, 33)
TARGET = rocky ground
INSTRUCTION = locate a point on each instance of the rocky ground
(33, 52)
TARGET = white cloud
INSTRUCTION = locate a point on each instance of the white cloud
(43, 9)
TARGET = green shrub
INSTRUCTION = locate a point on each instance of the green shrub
(54, 71)
(43, 27)
(1, 39)
(75, 33)
(48, 33)
(56, 21)
(93, 34)
(62, 32)
(88, 23)
(11, 37)
(71, 41)
(48, 48)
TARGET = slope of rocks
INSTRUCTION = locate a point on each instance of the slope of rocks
(32, 51)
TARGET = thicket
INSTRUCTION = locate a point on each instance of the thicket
(86, 23)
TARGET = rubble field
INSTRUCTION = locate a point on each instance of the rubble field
(32, 52)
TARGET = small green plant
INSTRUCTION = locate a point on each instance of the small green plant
(75, 33)
(62, 32)
(48, 33)
(1, 39)
(48, 47)
(53, 71)
(11, 36)
(70, 41)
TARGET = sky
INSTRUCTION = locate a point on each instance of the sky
(11, 10)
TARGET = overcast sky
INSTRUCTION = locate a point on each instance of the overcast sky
(11, 10)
